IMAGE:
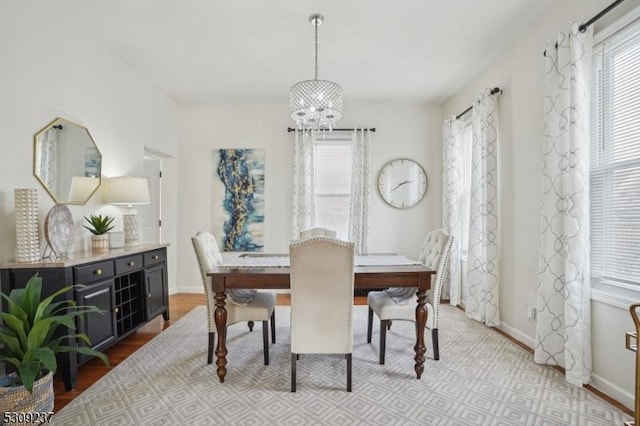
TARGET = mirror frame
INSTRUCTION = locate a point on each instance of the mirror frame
(55, 122)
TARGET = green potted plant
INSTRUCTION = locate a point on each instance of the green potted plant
(99, 226)
(30, 345)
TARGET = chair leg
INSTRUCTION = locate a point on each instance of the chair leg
(250, 324)
(383, 339)
(294, 358)
(265, 341)
(212, 339)
(349, 365)
(273, 326)
(369, 325)
(434, 339)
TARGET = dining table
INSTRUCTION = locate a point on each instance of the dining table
(262, 271)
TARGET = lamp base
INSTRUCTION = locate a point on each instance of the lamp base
(131, 229)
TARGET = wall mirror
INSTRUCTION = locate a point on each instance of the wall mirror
(67, 161)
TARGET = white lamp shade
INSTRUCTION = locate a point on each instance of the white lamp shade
(127, 190)
(81, 188)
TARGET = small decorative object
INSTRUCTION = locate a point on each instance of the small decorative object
(402, 183)
(116, 239)
(27, 238)
(100, 225)
(30, 346)
(59, 230)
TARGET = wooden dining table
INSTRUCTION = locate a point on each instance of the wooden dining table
(274, 278)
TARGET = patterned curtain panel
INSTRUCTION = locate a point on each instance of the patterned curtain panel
(360, 192)
(452, 175)
(47, 161)
(303, 206)
(563, 332)
(481, 301)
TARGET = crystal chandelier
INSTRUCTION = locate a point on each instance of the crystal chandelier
(315, 104)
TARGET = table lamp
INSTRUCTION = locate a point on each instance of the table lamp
(81, 189)
(128, 191)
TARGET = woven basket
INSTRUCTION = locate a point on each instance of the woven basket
(17, 399)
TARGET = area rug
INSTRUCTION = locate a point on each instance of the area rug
(481, 379)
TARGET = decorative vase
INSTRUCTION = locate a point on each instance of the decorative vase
(100, 243)
(17, 400)
(27, 237)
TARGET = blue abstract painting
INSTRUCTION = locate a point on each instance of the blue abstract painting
(240, 194)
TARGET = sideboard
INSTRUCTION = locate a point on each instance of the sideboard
(129, 285)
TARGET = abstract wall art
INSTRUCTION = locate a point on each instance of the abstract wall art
(239, 199)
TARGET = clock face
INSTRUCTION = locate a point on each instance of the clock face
(402, 183)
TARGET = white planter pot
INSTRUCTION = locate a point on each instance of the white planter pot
(100, 243)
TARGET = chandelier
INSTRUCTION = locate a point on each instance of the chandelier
(315, 104)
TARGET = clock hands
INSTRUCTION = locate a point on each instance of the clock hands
(400, 184)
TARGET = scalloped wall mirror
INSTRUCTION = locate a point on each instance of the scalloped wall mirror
(67, 162)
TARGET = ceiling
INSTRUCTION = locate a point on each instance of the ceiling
(252, 51)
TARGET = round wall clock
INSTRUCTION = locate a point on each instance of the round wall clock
(402, 183)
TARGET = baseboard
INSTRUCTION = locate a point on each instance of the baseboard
(517, 334)
(598, 383)
(613, 391)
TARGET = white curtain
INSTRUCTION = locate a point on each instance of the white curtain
(481, 301)
(47, 161)
(563, 333)
(360, 192)
(303, 214)
(452, 188)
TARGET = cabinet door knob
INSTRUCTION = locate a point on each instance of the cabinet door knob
(131, 263)
(149, 296)
(155, 257)
(98, 271)
(116, 310)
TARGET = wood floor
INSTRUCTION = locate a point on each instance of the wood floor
(179, 306)
(92, 371)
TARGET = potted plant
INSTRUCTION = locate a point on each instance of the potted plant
(30, 344)
(100, 225)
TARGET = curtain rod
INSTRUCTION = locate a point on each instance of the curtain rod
(583, 27)
(491, 92)
(373, 129)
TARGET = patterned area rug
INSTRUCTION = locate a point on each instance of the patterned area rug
(481, 379)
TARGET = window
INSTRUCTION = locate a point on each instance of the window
(615, 161)
(332, 184)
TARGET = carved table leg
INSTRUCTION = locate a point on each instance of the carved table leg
(221, 322)
(421, 322)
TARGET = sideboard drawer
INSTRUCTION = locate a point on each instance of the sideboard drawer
(128, 264)
(93, 272)
(153, 257)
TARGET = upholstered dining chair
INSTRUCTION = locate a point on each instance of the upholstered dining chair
(321, 300)
(242, 305)
(317, 232)
(400, 303)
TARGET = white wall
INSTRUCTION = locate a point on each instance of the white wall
(519, 72)
(51, 69)
(411, 131)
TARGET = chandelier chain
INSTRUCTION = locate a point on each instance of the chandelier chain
(316, 26)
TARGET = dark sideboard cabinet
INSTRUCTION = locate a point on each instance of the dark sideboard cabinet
(129, 285)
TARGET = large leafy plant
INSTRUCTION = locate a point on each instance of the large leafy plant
(99, 224)
(28, 327)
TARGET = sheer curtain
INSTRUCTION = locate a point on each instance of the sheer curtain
(482, 298)
(303, 206)
(47, 158)
(563, 332)
(452, 186)
(360, 192)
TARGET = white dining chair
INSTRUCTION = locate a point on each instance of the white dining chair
(242, 305)
(399, 303)
(321, 282)
(317, 232)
